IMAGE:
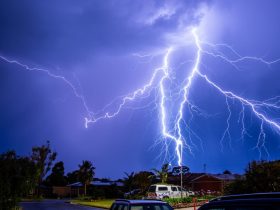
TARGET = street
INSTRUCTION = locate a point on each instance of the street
(53, 205)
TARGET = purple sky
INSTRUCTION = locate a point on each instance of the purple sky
(108, 49)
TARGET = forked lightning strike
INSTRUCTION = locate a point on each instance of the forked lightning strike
(157, 81)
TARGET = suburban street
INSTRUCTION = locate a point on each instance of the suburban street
(53, 205)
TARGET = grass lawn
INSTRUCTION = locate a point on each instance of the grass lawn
(96, 203)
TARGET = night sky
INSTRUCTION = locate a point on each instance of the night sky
(91, 54)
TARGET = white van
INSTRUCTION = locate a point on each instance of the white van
(160, 191)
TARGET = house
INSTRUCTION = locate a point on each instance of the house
(99, 188)
(61, 191)
(203, 182)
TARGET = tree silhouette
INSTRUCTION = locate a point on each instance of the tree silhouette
(17, 179)
(227, 172)
(129, 181)
(260, 176)
(163, 173)
(143, 180)
(43, 158)
(57, 178)
(86, 173)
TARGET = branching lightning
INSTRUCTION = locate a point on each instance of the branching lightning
(55, 76)
(158, 81)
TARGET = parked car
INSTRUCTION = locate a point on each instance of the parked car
(123, 204)
(132, 193)
(160, 191)
(191, 193)
(257, 201)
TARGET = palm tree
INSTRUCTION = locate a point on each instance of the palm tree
(128, 181)
(163, 173)
(86, 173)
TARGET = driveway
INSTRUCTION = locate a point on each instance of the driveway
(53, 205)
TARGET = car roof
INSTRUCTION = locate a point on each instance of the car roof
(243, 203)
(141, 201)
(160, 184)
(249, 196)
(255, 199)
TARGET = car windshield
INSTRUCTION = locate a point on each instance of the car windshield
(151, 207)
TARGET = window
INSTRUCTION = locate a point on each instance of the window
(137, 207)
(162, 189)
(119, 207)
(167, 207)
(174, 188)
(150, 207)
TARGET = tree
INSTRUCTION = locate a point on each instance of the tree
(57, 178)
(86, 173)
(143, 180)
(72, 177)
(163, 173)
(17, 179)
(129, 181)
(260, 172)
(43, 158)
(260, 176)
(227, 172)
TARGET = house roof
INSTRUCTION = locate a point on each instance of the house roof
(76, 184)
(229, 177)
(190, 177)
(186, 177)
(221, 177)
(97, 183)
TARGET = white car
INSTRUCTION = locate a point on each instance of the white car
(160, 191)
(191, 193)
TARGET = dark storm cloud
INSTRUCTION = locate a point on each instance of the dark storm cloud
(67, 30)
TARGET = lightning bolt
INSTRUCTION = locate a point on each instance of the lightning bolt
(176, 133)
(255, 106)
(160, 76)
(50, 74)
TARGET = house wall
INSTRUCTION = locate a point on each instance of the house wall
(61, 191)
(208, 183)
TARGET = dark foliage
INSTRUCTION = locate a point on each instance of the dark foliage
(128, 181)
(227, 172)
(57, 178)
(17, 179)
(72, 177)
(86, 173)
(43, 157)
(260, 176)
(163, 173)
(143, 180)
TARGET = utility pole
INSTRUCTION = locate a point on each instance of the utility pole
(181, 173)
(181, 181)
